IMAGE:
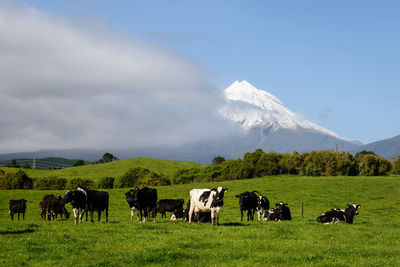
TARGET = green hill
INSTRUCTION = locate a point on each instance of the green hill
(114, 169)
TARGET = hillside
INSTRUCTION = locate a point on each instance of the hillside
(42, 163)
(113, 169)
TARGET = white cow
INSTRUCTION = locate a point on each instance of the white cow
(206, 200)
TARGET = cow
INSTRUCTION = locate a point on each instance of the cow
(339, 215)
(17, 206)
(84, 200)
(51, 206)
(281, 212)
(98, 201)
(248, 201)
(262, 206)
(78, 199)
(170, 205)
(132, 202)
(144, 200)
(206, 200)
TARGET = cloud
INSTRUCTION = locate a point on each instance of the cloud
(66, 86)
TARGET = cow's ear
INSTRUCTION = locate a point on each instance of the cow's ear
(237, 196)
(226, 189)
(358, 206)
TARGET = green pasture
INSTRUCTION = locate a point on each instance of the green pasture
(112, 169)
(373, 239)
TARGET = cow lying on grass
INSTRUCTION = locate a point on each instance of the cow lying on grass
(339, 215)
(184, 215)
(281, 212)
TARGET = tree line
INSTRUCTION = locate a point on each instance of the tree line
(315, 163)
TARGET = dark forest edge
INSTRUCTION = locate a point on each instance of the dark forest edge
(252, 165)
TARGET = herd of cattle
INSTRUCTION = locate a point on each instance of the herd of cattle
(204, 205)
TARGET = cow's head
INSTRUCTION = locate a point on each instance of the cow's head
(352, 209)
(68, 197)
(218, 198)
(133, 195)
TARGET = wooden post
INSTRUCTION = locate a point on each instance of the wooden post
(302, 209)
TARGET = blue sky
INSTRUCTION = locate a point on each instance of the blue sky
(334, 62)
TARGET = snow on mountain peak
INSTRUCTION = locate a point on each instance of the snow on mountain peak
(254, 108)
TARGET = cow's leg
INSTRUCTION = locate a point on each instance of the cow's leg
(241, 213)
(83, 211)
(107, 214)
(212, 217)
(18, 215)
(190, 214)
(217, 217)
(12, 215)
(132, 211)
(76, 214)
(99, 212)
(23, 216)
(154, 214)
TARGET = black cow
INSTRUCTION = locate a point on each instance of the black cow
(338, 215)
(98, 201)
(144, 200)
(17, 206)
(248, 201)
(84, 200)
(281, 212)
(51, 206)
(170, 205)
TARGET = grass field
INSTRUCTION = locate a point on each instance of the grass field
(373, 239)
(112, 169)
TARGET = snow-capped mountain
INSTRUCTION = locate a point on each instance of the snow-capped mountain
(254, 108)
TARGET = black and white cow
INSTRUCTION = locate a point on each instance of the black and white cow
(17, 206)
(248, 201)
(144, 200)
(130, 198)
(281, 212)
(339, 215)
(206, 200)
(78, 200)
(51, 206)
(262, 206)
(170, 205)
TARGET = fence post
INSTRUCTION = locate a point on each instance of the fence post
(302, 209)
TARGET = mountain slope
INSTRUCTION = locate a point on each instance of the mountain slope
(387, 148)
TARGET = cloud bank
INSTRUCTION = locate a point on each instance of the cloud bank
(66, 86)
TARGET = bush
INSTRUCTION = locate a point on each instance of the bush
(50, 183)
(141, 177)
(18, 180)
(79, 182)
(106, 183)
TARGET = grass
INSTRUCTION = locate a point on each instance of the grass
(373, 239)
(112, 169)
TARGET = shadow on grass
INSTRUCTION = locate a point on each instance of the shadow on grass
(16, 232)
(233, 224)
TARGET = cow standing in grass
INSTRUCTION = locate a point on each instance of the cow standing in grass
(248, 201)
(206, 200)
(144, 200)
(51, 206)
(17, 206)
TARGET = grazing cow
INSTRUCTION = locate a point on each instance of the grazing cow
(262, 206)
(17, 206)
(281, 212)
(51, 206)
(170, 205)
(248, 201)
(206, 200)
(144, 199)
(339, 215)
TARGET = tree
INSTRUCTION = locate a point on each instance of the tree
(396, 166)
(79, 162)
(218, 160)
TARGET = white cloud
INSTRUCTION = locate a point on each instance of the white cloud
(67, 87)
